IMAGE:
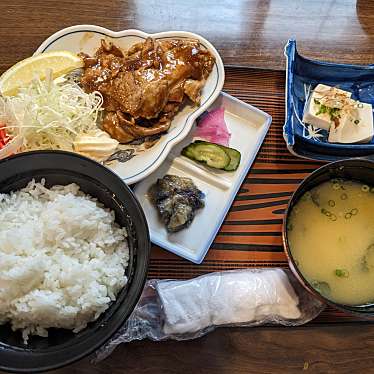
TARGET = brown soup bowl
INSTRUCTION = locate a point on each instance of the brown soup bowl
(358, 169)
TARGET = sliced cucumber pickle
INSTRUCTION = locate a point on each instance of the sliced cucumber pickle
(214, 155)
(208, 153)
(235, 157)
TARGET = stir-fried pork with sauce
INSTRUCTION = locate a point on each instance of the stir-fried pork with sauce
(144, 87)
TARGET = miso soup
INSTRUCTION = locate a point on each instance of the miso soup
(331, 237)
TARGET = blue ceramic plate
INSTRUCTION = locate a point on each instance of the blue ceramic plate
(302, 75)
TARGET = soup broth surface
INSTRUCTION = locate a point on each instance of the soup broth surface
(331, 237)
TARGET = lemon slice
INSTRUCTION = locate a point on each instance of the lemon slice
(22, 73)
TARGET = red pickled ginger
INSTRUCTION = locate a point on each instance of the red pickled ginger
(212, 127)
(4, 138)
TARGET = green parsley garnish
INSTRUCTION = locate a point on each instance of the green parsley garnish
(367, 262)
(322, 109)
(354, 211)
(342, 273)
(321, 287)
(332, 112)
(365, 188)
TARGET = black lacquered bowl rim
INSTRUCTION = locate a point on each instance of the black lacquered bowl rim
(362, 311)
(29, 360)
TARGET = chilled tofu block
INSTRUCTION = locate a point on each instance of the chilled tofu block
(313, 115)
(355, 127)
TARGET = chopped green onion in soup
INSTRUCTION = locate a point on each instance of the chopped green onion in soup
(332, 238)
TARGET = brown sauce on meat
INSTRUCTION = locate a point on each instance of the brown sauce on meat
(144, 86)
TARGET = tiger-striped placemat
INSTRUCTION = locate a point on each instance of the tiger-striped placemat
(251, 233)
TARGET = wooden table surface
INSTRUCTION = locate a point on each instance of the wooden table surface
(248, 34)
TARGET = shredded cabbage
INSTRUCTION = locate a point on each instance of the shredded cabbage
(51, 114)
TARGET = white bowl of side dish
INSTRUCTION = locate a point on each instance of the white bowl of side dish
(86, 39)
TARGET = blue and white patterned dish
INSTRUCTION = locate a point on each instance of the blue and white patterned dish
(302, 75)
(133, 164)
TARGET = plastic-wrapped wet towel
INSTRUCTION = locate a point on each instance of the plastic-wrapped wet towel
(252, 296)
(185, 305)
(188, 309)
(226, 298)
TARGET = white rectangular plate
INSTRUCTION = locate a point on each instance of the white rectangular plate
(248, 127)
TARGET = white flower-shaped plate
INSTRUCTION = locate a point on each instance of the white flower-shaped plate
(86, 38)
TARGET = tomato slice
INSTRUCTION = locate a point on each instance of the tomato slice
(4, 138)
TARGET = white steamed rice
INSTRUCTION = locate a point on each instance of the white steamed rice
(62, 258)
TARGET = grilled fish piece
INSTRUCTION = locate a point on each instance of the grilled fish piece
(176, 199)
